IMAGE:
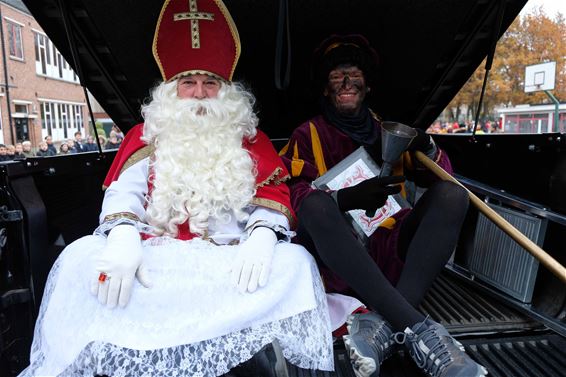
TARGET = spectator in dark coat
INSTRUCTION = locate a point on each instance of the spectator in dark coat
(44, 150)
(90, 144)
(79, 145)
(4, 153)
(19, 155)
(11, 152)
(50, 146)
(112, 143)
(72, 146)
(64, 148)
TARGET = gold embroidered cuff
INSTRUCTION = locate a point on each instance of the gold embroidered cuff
(274, 205)
(121, 215)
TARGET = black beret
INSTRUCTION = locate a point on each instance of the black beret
(337, 50)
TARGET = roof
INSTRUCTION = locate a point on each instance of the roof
(18, 4)
(525, 109)
(428, 49)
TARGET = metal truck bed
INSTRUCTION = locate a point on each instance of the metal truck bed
(507, 342)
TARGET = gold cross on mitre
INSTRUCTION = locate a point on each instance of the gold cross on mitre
(194, 15)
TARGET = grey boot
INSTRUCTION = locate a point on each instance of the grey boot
(439, 354)
(369, 343)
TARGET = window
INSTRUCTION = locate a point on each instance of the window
(15, 40)
(49, 49)
(41, 54)
(55, 115)
(49, 61)
(63, 120)
(60, 65)
(66, 117)
(21, 109)
(47, 111)
(78, 114)
(526, 123)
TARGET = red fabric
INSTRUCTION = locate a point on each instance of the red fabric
(268, 165)
(268, 162)
(219, 44)
(129, 146)
(343, 330)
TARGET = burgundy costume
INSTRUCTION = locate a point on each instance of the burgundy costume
(315, 147)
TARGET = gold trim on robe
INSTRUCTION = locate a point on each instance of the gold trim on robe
(274, 205)
(271, 178)
(137, 156)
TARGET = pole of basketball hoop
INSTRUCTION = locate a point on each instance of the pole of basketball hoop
(556, 110)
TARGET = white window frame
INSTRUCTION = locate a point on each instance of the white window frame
(78, 112)
(62, 116)
(47, 116)
(41, 53)
(51, 63)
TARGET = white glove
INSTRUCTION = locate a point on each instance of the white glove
(253, 262)
(121, 261)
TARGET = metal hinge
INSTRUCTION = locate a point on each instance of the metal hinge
(14, 297)
(7, 216)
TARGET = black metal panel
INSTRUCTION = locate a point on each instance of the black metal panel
(467, 313)
(549, 297)
(526, 165)
(16, 294)
(516, 356)
(428, 49)
(463, 309)
(60, 199)
(45, 203)
(538, 355)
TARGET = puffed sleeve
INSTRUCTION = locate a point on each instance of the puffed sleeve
(125, 198)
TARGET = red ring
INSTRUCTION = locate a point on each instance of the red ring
(102, 277)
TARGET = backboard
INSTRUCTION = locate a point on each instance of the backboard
(540, 77)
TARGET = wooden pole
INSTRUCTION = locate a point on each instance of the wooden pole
(552, 264)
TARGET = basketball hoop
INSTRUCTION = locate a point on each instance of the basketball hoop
(540, 77)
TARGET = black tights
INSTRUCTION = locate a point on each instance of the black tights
(428, 235)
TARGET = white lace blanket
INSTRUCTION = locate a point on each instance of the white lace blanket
(191, 322)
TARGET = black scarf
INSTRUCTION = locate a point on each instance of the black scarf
(360, 128)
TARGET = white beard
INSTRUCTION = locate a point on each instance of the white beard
(200, 169)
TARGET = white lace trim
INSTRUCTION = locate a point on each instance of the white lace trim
(305, 339)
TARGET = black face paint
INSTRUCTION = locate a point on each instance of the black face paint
(346, 89)
(347, 83)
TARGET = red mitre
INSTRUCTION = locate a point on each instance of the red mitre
(196, 37)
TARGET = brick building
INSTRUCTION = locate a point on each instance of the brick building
(40, 94)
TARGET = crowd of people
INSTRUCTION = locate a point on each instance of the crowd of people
(47, 147)
(487, 127)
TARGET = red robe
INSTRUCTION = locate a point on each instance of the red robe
(271, 191)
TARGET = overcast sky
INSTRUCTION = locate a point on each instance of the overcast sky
(550, 6)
